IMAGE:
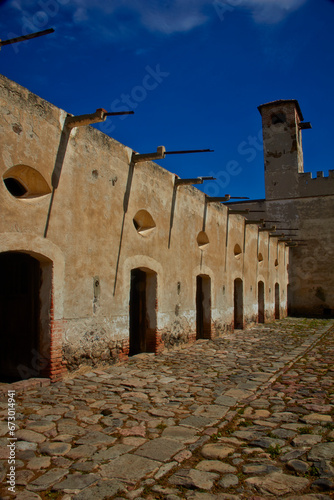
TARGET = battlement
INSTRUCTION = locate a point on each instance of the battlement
(316, 186)
(320, 175)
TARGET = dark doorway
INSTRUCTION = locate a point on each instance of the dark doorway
(143, 323)
(260, 294)
(289, 293)
(19, 316)
(277, 302)
(203, 307)
(238, 304)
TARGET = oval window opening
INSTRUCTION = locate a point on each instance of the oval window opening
(202, 240)
(237, 251)
(15, 187)
(22, 181)
(144, 223)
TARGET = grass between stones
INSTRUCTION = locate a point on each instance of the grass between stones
(50, 495)
(274, 451)
(305, 430)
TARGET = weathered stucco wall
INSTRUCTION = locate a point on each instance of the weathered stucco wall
(83, 224)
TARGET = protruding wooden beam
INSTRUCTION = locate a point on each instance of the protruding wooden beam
(257, 222)
(273, 228)
(196, 180)
(238, 212)
(82, 120)
(214, 199)
(159, 155)
(24, 38)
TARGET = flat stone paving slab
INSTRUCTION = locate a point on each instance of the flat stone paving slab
(212, 411)
(102, 490)
(81, 451)
(278, 484)
(112, 452)
(75, 482)
(180, 433)
(190, 478)
(130, 468)
(160, 449)
(30, 436)
(41, 426)
(96, 438)
(216, 466)
(39, 463)
(198, 422)
(226, 401)
(238, 394)
(53, 449)
(217, 451)
(48, 479)
(324, 451)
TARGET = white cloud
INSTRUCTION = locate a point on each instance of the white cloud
(173, 21)
(165, 17)
(175, 16)
(271, 11)
(169, 16)
(80, 15)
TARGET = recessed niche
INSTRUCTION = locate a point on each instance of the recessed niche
(144, 223)
(25, 182)
(202, 240)
(237, 251)
(276, 263)
(260, 257)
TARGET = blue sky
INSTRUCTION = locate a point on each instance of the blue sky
(194, 72)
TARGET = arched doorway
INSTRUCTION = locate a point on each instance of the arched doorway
(277, 301)
(20, 316)
(203, 307)
(260, 295)
(238, 304)
(143, 315)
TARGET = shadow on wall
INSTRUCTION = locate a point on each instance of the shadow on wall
(64, 138)
(125, 209)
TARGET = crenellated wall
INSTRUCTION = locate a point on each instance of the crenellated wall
(315, 186)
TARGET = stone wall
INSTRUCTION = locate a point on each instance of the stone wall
(96, 217)
(303, 204)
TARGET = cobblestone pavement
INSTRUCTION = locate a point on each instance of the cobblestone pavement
(247, 416)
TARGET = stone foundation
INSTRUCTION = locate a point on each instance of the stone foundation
(104, 351)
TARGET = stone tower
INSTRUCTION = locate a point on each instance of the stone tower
(282, 122)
